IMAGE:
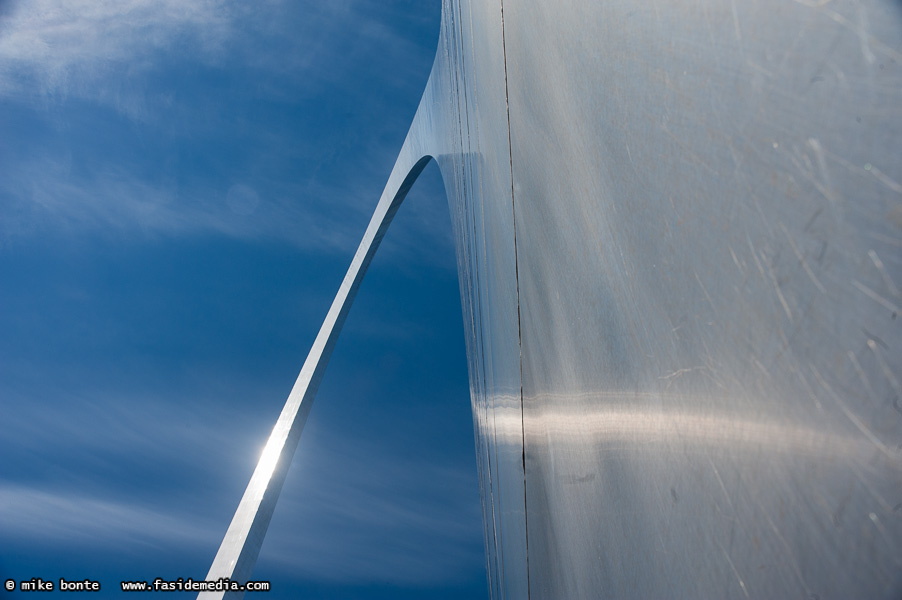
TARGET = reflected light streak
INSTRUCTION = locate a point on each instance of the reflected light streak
(714, 423)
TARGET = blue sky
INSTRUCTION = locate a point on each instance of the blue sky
(182, 187)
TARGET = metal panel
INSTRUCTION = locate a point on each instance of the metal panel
(708, 231)
(486, 202)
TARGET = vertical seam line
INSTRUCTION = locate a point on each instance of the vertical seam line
(510, 152)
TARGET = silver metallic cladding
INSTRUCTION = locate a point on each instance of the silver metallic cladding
(704, 291)
(711, 351)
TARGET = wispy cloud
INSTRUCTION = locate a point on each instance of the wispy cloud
(358, 512)
(88, 48)
(133, 57)
(352, 530)
(35, 514)
(44, 195)
(354, 511)
(103, 50)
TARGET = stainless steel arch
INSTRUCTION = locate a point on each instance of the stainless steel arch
(679, 239)
(436, 132)
(239, 549)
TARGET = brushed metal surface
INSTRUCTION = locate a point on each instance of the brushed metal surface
(708, 236)
(679, 239)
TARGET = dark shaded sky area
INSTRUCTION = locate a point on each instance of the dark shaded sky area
(182, 187)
